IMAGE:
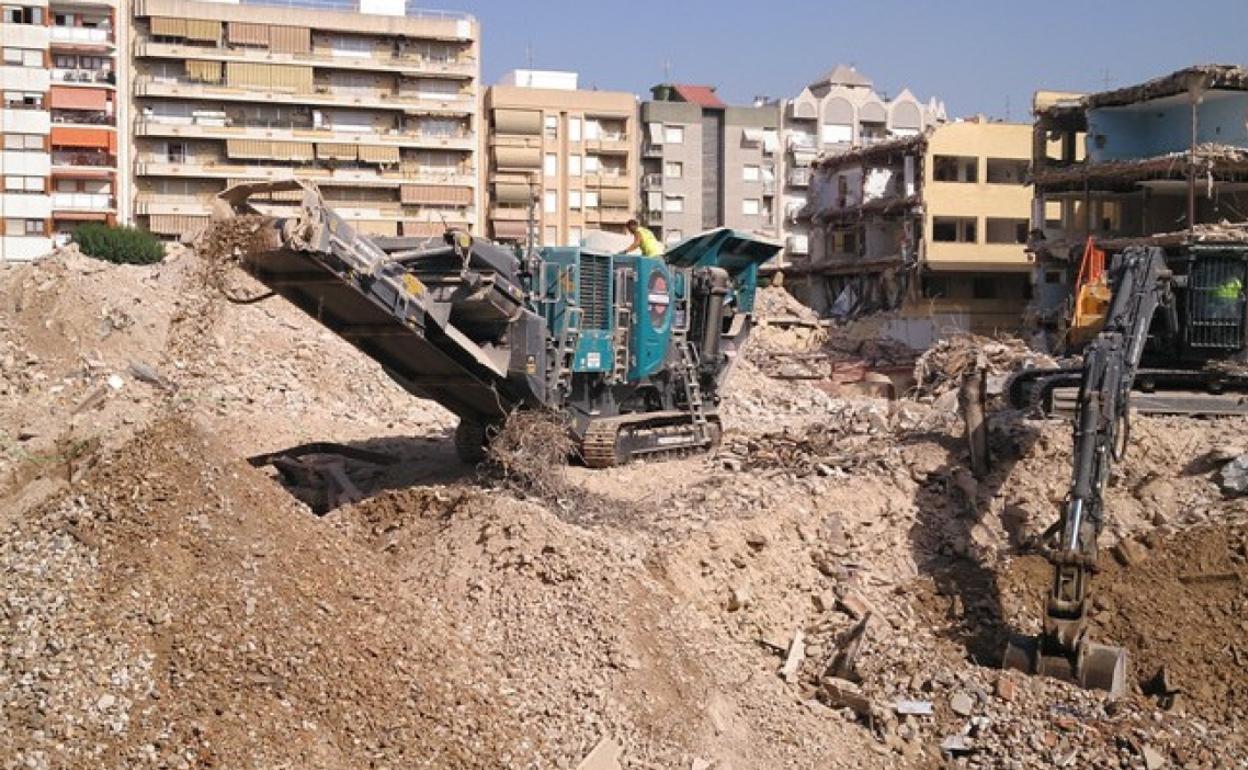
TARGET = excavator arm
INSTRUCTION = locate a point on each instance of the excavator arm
(1141, 284)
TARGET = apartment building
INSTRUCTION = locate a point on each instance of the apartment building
(707, 164)
(933, 226)
(375, 106)
(559, 157)
(1161, 163)
(837, 113)
(59, 120)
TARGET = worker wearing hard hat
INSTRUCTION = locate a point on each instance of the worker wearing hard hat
(643, 239)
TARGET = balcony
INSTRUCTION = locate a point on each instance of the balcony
(147, 85)
(652, 182)
(83, 76)
(220, 168)
(81, 36)
(85, 160)
(460, 69)
(82, 118)
(212, 129)
(652, 151)
(63, 201)
(799, 177)
(510, 213)
(609, 144)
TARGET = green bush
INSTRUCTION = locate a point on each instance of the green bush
(119, 245)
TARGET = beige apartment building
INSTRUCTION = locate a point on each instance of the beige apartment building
(563, 157)
(63, 108)
(376, 107)
(932, 226)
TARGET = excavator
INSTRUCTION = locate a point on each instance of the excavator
(1171, 319)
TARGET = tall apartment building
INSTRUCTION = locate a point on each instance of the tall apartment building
(837, 113)
(376, 107)
(60, 120)
(932, 226)
(568, 154)
(706, 164)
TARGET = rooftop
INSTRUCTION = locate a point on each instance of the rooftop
(843, 75)
(703, 96)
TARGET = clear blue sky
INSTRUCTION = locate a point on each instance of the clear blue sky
(974, 54)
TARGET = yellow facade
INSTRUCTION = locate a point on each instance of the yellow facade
(980, 200)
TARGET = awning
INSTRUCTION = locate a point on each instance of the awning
(82, 216)
(283, 195)
(518, 157)
(245, 33)
(372, 153)
(281, 77)
(510, 192)
(81, 136)
(510, 230)
(292, 151)
(614, 197)
(206, 30)
(518, 122)
(336, 151)
(656, 132)
(771, 141)
(68, 98)
(435, 194)
(290, 39)
(163, 26)
(203, 71)
(751, 137)
(249, 149)
(175, 224)
(422, 229)
(375, 226)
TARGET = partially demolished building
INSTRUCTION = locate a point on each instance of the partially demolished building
(1164, 163)
(933, 226)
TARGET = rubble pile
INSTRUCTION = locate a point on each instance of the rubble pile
(940, 368)
(830, 589)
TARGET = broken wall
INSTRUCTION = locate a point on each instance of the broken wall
(1163, 126)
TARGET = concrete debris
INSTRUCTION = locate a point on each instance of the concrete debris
(1233, 478)
(793, 657)
(962, 704)
(1153, 759)
(940, 369)
(839, 693)
(913, 707)
(605, 756)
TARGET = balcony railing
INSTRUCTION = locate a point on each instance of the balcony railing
(652, 180)
(83, 76)
(79, 201)
(82, 118)
(158, 125)
(148, 85)
(84, 159)
(461, 68)
(97, 35)
(799, 177)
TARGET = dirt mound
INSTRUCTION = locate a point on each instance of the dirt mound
(1177, 603)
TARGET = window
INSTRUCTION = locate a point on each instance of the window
(23, 227)
(550, 202)
(591, 199)
(672, 236)
(750, 173)
(574, 165)
(23, 142)
(23, 57)
(574, 200)
(550, 236)
(550, 164)
(20, 14)
(1006, 171)
(953, 229)
(574, 129)
(574, 236)
(935, 286)
(351, 46)
(24, 184)
(750, 207)
(955, 168)
(673, 134)
(836, 133)
(674, 169)
(674, 203)
(175, 152)
(1006, 230)
(592, 129)
(551, 126)
(984, 287)
(23, 99)
(592, 165)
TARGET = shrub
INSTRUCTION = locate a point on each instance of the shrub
(119, 245)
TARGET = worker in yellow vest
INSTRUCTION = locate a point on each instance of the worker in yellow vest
(643, 239)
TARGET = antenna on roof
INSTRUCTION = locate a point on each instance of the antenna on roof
(1007, 108)
(1105, 78)
(667, 70)
(528, 58)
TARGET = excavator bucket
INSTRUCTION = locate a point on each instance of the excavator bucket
(1093, 666)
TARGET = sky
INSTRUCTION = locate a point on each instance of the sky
(976, 55)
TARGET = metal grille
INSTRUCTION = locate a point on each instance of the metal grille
(1216, 303)
(595, 291)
